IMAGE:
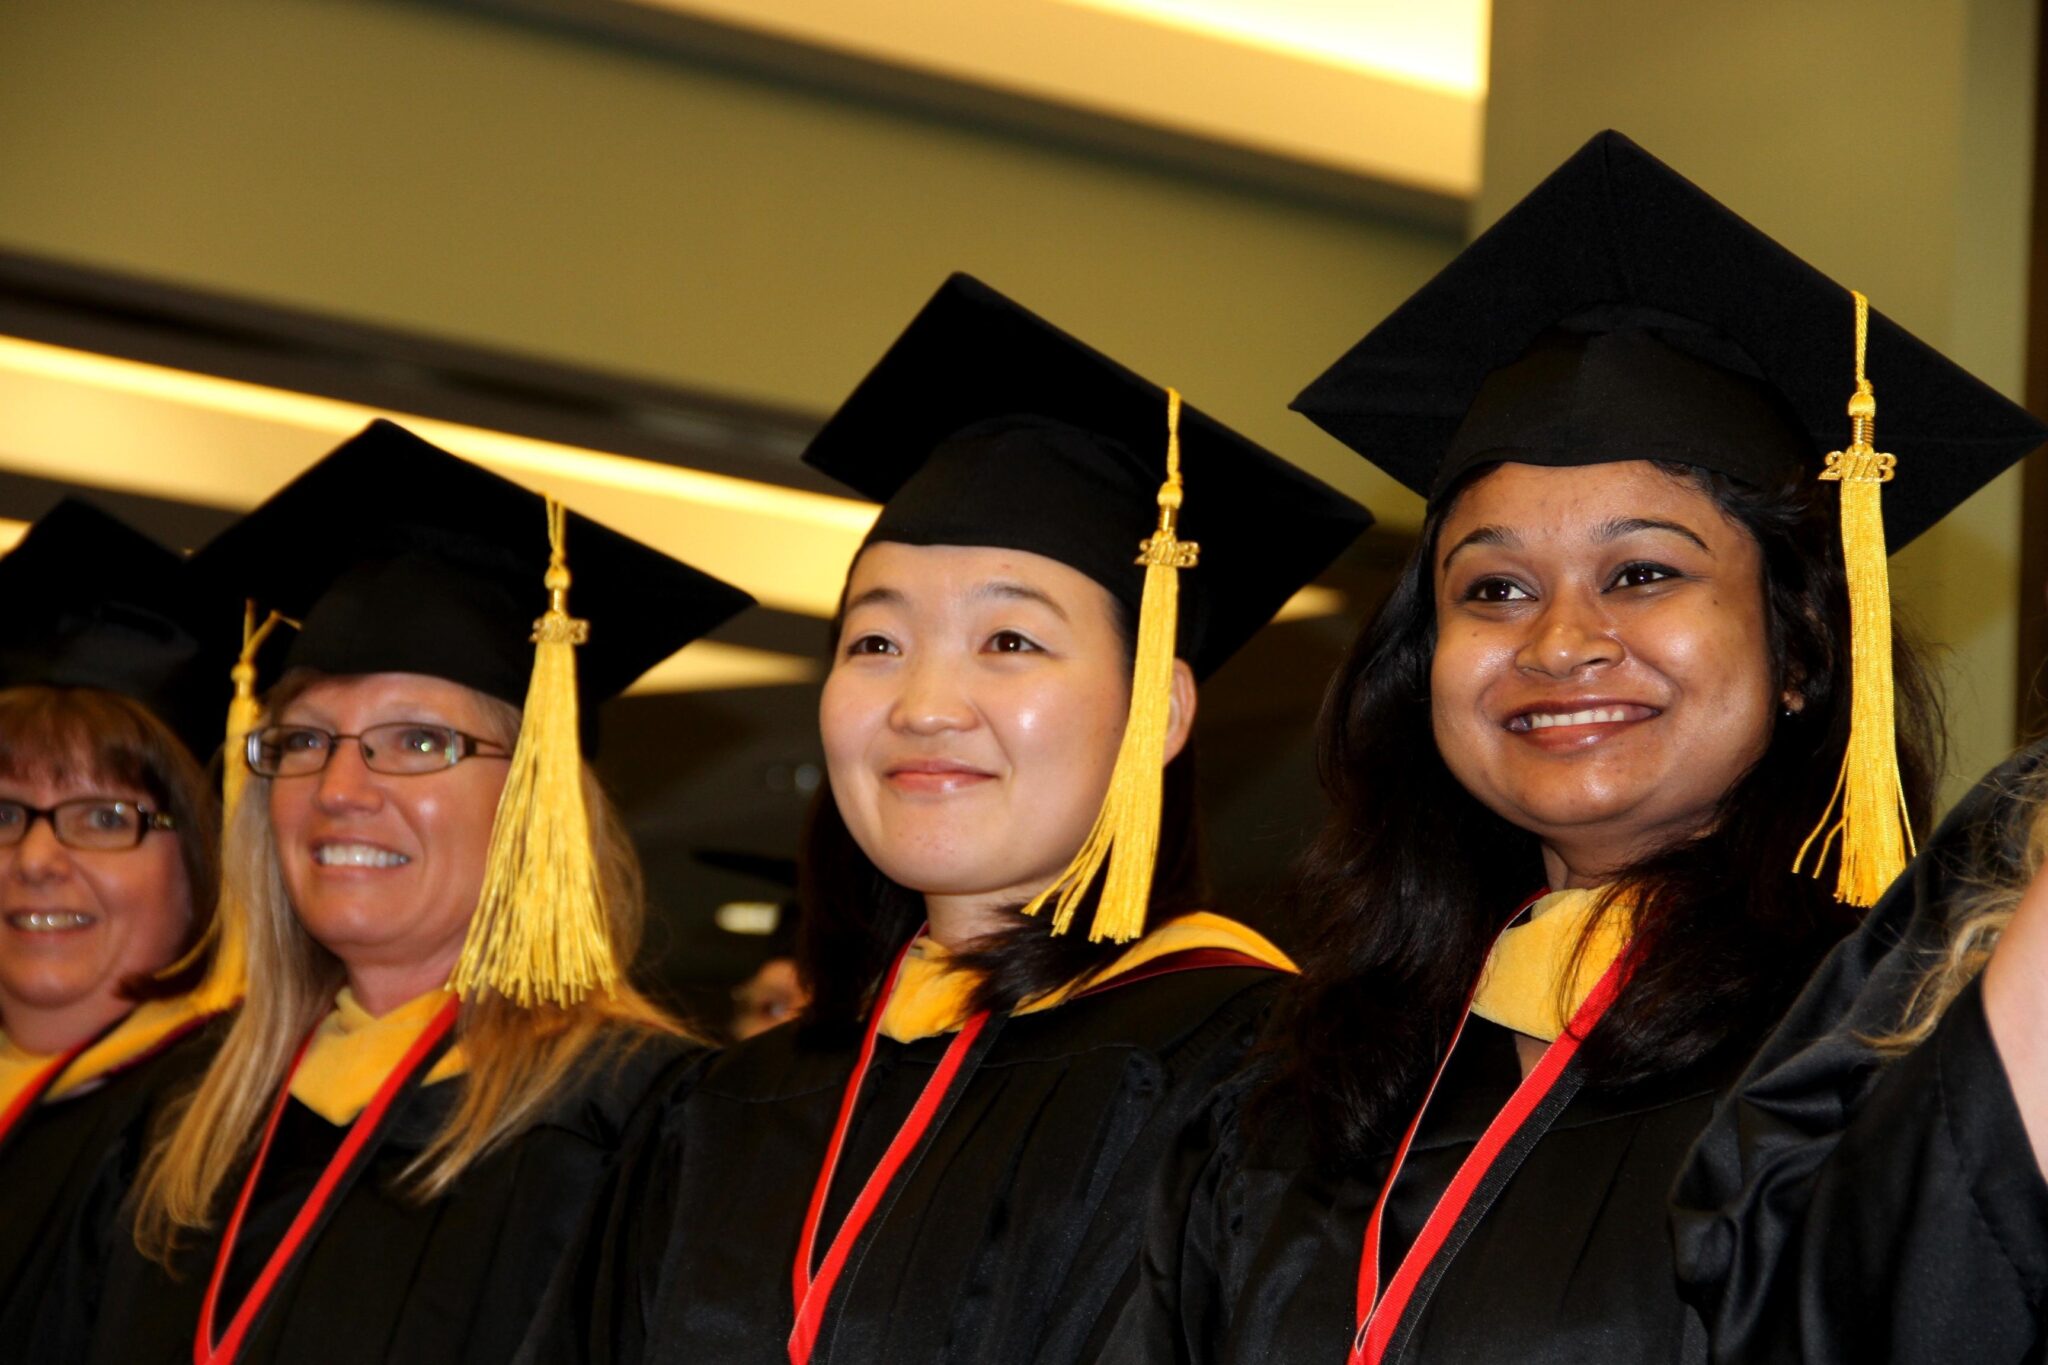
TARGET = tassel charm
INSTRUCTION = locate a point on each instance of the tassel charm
(228, 974)
(1125, 836)
(1867, 812)
(540, 934)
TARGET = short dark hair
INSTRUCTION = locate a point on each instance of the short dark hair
(64, 733)
(1401, 893)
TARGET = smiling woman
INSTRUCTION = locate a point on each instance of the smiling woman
(944, 1157)
(372, 1168)
(108, 865)
(1574, 762)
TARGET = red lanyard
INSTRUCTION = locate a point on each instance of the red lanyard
(39, 1085)
(814, 1292)
(1524, 1116)
(339, 1166)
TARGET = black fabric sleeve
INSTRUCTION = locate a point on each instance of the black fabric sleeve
(1178, 1301)
(597, 1309)
(1846, 1204)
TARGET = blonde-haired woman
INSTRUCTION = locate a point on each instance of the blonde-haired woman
(375, 1169)
(1874, 1188)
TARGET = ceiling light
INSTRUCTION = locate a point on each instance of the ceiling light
(77, 417)
(758, 918)
(714, 666)
(1441, 45)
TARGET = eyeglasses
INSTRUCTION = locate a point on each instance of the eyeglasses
(401, 749)
(97, 824)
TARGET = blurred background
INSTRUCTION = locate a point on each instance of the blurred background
(632, 251)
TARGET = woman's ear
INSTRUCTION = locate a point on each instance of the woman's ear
(1180, 717)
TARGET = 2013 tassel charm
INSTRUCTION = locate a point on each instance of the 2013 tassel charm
(1873, 827)
(1125, 835)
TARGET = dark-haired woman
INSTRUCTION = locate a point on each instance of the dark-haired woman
(944, 1158)
(108, 863)
(1573, 762)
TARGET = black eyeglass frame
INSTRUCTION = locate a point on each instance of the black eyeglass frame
(150, 819)
(461, 745)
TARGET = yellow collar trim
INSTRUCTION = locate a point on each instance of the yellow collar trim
(145, 1029)
(1524, 985)
(931, 995)
(354, 1051)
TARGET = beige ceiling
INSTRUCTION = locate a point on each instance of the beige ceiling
(1389, 90)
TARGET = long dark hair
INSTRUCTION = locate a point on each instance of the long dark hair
(1401, 893)
(855, 918)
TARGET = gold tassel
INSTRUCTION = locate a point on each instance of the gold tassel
(1874, 826)
(1126, 831)
(540, 933)
(228, 974)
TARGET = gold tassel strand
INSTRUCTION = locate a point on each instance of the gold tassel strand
(1874, 826)
(1126, 830)
(540, 932)
(227, 976)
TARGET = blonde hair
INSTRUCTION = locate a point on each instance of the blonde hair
(516, 1059)
(1982, 914)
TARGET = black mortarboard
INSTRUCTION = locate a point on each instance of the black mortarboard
(1619, 312)
(398, 557)
(92, 602)
(986, 425)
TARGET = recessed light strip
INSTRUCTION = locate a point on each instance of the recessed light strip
(82, 418)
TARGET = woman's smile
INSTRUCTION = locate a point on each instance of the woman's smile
(1573, 725)
(935, 777)
(336, 855)
(1602, 669)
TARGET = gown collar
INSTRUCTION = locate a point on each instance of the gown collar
(147, 1028)
(353, 1051)
(932, 994)
(1536, 977)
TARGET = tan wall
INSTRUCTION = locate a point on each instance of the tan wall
(1888, 141)
(521, 187)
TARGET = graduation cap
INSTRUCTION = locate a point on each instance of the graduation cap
(983, 424)
(394, 556)
(1618, 313)
(92, 602)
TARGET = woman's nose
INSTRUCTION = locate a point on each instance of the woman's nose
(39, 857)
(932, 700)
(347, 783)
(1569, 637)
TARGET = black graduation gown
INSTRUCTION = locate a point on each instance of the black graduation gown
(1846, 1205)
(388, 1280)
(67, 1154)
(1013, 1239)
(1252, 1252)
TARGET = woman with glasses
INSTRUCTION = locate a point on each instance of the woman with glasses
(107, 869)
(441, 1046)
